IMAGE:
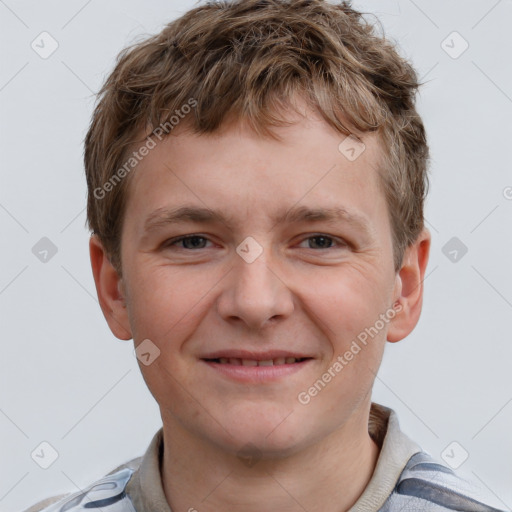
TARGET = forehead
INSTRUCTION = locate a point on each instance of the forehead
(235, 169)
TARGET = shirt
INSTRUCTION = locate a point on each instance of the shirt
(405, 479)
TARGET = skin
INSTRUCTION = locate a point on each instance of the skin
(301, 294)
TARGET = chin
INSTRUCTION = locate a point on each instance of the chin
(266, 432)
(256, 444)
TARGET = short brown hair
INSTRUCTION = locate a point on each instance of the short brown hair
(245, 59)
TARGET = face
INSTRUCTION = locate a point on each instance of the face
(287, 260)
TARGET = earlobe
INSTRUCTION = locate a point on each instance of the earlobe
(110, 289)
(409, 282)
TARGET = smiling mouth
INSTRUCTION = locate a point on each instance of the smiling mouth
(249, 367)
(278, 361)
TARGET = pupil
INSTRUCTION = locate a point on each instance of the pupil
(194, 241)
(324, 239)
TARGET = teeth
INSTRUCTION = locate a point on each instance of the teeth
(252, 362)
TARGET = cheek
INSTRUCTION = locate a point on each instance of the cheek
(351, 306)
(165, 308)
(165, 302)
(348, 303)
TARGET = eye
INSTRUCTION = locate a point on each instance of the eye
(321, 241)
(190, 242)
(194, 242)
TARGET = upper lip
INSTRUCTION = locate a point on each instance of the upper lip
(257, 356)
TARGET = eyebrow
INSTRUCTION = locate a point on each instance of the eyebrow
(166, 216)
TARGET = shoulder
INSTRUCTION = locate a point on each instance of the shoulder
(429, 486)
(41, 505)
(107, 494)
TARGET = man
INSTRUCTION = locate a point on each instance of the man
(257, 173)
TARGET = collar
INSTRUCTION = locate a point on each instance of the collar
(395, 451)
(146, 491)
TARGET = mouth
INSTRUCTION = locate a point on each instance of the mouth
(278, 361)
(251, 367)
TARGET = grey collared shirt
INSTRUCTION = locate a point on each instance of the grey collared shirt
(405, 479)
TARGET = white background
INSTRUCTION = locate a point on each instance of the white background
(66, 380)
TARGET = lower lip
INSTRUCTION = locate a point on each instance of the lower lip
(257, 374)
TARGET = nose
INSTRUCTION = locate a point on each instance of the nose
(254, 293)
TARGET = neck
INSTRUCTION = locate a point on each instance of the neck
(327, 476)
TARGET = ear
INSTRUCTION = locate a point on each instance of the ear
(110, 290)
(409, 288)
